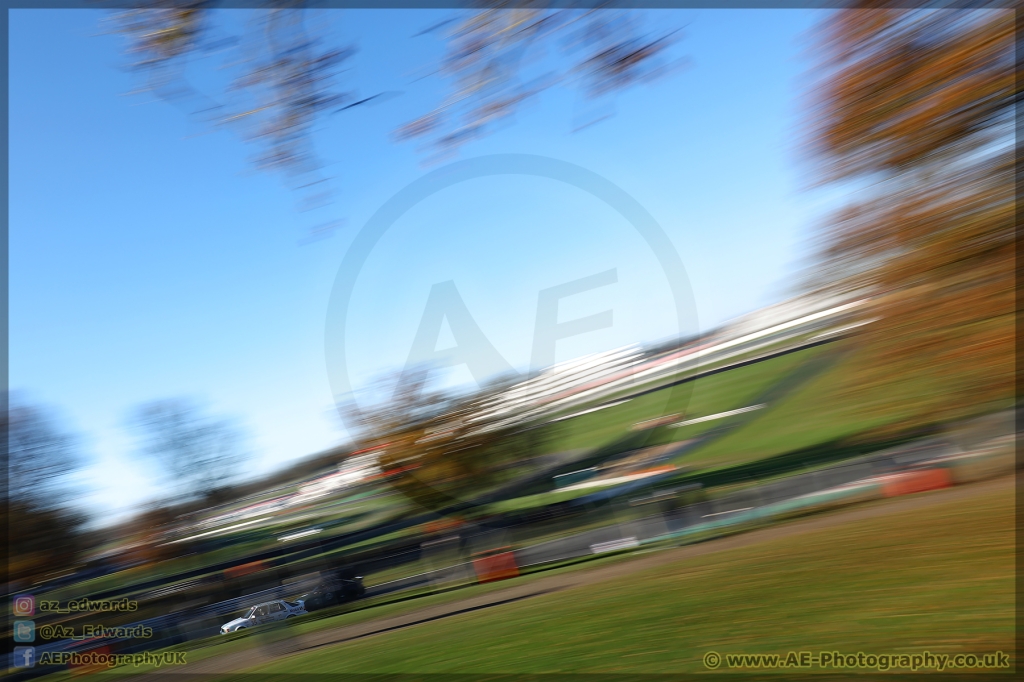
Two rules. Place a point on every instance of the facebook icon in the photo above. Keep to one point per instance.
(24, 656)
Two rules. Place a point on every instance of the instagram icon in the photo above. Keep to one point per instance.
(24, 605)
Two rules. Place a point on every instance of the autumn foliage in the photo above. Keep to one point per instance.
(912, 119)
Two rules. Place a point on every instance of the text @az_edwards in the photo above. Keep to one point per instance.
(94, 631)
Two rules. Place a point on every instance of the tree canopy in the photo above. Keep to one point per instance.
(913, 116)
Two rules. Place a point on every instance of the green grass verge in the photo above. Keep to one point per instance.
(357, 612)
(710, 395)
(812, 415)
(938, 579)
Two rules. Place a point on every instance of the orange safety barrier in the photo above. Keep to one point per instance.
(663, 469)
(244, 569)
(498, 564)
(442, 525)
(917, 482)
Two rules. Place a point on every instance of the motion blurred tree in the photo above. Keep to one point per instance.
(43, 532)
(145, 534)
(396, 423)
(441, 449)
(488, 53)
(201, 453)
(40, 455)
(914, 117)
(285, 71)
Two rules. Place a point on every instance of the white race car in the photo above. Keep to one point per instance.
(265, 613)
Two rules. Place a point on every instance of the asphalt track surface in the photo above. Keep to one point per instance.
(252, 659)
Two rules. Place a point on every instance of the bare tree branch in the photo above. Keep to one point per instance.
(289, 73)
(200, 453)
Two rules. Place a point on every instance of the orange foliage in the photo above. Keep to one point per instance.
(914, 116)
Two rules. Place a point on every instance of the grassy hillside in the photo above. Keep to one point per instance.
(704, 396)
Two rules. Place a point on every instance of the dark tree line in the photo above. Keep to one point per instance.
(199, 454)
(43, 533)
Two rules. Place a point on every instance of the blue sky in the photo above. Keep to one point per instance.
(149, 260)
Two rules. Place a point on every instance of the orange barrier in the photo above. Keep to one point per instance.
(498, 564)
(917, 482)
(663, 469)
(244, 569)
(442, 525)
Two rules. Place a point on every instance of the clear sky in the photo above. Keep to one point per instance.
(149, 260)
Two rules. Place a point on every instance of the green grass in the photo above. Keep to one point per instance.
(707, 395)
(813, 414)
(351, 614)
(536, 501)
(710, 395)
(938, 579)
